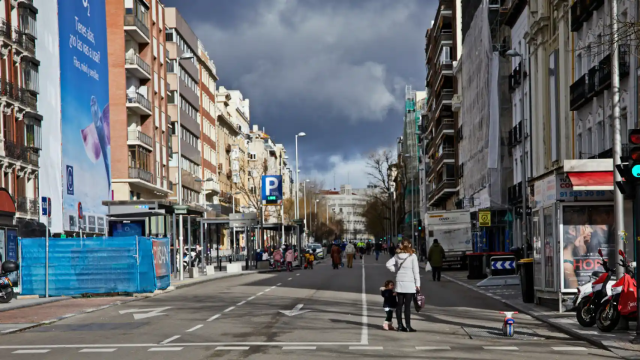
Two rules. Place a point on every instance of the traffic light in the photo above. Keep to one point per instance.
(629, 167)
(419, 224)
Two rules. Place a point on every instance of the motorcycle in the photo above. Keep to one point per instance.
(591, 295)
(6, 287)
(622, 301)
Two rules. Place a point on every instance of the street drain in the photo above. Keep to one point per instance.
(520, 333)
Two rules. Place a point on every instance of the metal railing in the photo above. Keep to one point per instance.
(132, 20)
(24, 42)
(137, 135)
(21, 153)
(9, 90)
(141, 174)
(28, 100)
(5, 29)
(27, 206)
(135, 59)
(140, 100)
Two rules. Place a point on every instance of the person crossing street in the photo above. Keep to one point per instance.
(350, 250)
(378, 250)
(435, 257)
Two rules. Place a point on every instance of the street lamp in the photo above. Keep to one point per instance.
(315, 226)
(233, 211)
(282, 158)
(204, 202)
(185, 56)
(515, 54)
(304, 197)
(301, 134)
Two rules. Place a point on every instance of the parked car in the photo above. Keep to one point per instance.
(319, 250)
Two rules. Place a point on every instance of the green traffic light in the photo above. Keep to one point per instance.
(635, 171)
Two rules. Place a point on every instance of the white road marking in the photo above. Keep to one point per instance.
(569, 348)
(7, 331)
(273, 287)
(365, 347)
(267, 290)
(84, 346)
(31, 351)
(364, 338)
(298, 348)
(500, 348)
(240, 303)
(433, 348)
(260, 293)
(213, 317)
(169, 340)
(165, 348)
(97, 350)
(195, 328)
(279, 284)
(229, 309)
(232, 348)
(296, 310)
(297, 274)
(251, 298)
(290, 278)
(149, 312)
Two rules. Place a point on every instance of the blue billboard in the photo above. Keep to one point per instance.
(271, 189)
(84, 95)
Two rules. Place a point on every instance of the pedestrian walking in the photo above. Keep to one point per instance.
(277, 258)
(350, 250)
(335, 256)
(392, 250)
(435, 257)
(378, 249)
(405, 265)
(389, 304)
(289, 257)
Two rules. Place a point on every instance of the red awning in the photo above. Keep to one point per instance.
(596, 180)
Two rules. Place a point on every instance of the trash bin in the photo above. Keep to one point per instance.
(476, 266)
(526, 280)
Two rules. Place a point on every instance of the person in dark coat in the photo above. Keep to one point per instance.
(336, 259)
(392, 250)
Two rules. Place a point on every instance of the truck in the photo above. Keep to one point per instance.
(453, 230)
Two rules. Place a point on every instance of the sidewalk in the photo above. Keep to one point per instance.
(24, 303)
(616, 341)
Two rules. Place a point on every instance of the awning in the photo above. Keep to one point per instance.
(595, 180)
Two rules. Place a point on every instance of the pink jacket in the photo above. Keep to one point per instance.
(289, 256)
(277, 255)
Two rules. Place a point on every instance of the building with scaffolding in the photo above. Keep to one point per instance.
(409, 156)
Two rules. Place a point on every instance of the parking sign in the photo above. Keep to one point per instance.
(272, 189)
(44, 206)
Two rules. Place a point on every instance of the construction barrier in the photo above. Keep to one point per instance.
(503, 265)
(95, 265)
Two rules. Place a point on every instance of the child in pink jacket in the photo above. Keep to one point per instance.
(289, 257)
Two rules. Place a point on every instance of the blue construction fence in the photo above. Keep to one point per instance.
(95, 265)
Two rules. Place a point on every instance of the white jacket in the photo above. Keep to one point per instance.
(350, 249)
(407, 275)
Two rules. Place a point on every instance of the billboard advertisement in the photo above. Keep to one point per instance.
(84, 94)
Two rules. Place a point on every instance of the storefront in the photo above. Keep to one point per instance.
(572, 217)
(8, 230)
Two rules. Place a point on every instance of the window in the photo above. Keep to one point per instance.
(155, 82)
(153, 10)
(554, 106)
(445, 57)
(578, 73)
(32, 134)
(162, 92)
(160, 11)
(31, 77)
(139, 158)
(588, 57)
(599, 143)
(579, 146)
(588, 149)
(162, 53)
(168, 35)
(155, 47)
(28, 22)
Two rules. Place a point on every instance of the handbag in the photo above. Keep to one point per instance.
(428, 268)
(418, 301)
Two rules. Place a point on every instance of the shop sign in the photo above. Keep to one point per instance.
(564, 190)
(484, 218)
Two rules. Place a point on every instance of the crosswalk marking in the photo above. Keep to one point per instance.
(97, 350)
(34, 351)
(569, 348)
(219, 348)
(500, 348)
(365, 347)
(299, 348)
(213, 317)
(433, 347)
(195, 328)
(165, 348)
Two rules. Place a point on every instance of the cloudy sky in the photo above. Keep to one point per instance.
(334, 69)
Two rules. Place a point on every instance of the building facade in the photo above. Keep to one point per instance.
(209, 149)
(348, 205)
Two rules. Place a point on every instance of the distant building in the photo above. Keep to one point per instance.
(348, 205)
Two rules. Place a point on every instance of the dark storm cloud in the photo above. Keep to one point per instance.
(335, 69)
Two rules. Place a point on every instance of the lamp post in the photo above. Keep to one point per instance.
(184, 56)
(204, 203)
(304, 197)
(233, 211)
(301, 134)
(524, 223)
(315, 226)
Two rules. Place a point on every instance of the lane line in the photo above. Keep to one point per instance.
(6, 331)
(290, 278)
(195, 328)
(97, 350)
(297, 274)
(279, 284)
(165, 348)
(241, 303)
(364, 338)
(500, 348)
(267, 290)
(365, 348)
(213, 317)
(260, 293)
(279, 344)
(433, 347)
(31, 351)
(229, 309)
(569, 348)
(251, 298)
(298, 348)
(169, 340)
(232, 348)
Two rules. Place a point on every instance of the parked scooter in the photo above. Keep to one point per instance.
(6, 287)
(591, 295)
(622, 302)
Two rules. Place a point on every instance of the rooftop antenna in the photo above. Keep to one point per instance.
(334, 180)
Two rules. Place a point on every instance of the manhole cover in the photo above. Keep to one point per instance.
(520, 333)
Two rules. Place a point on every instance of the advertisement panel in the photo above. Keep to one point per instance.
(84, 93)
(161, 257)
(565, 192)
(585, 229)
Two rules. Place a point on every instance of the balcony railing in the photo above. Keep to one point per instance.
(27, 100)
(604, 73)
(27, 206)
(20, 153)
(132, 20)
(444, 125)
(437, 193)
(10, 91)
(5, 30)
(141, 174)
(137, 98)
(445, 96)
(623, 60)
(516, 134)
(137, 135)
(594, 81)
(25, 42)
(580, 13)
(578, 93)
(135, 59)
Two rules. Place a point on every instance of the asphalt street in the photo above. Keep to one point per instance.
(307, 313)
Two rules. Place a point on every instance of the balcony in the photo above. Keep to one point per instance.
(448, 156)
(27, 101)
(10, 92)
(27, 207)
(140, 174)
(444, 99)
(604, 74)
(137, 29)
(578, 93)
(515, 78)
(137, 103)
(593, 85)
(5, 31)
(137, 137)
(445, 127)
(516, 134)
(24, 43)
(595, 4)
(580, 13)
(137, 67)
(212, 186)
(21, 153)
(514, 194)
(442, 191)
(623, 60)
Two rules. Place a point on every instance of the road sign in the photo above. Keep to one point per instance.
(69, 180)
(80, 213)
(271, 189)
(502, 265)
(44, 206)
(484, 218)
(239, 220)
(180, 209)
(49, 207)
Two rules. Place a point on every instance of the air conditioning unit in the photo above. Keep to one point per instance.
(456, 102)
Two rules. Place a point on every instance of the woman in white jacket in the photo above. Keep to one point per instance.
(405, 265)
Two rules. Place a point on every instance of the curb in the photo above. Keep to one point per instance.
(204, 280)
(53, 300)
(565, 330)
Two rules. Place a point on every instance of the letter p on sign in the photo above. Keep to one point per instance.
(271, 189)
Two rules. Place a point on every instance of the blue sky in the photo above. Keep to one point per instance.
(335, 69)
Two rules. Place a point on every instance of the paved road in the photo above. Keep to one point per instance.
(240, 318)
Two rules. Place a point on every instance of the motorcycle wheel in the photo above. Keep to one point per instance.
(584, 313)
(607, 317)
(8, 295)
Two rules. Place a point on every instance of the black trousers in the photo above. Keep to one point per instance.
(436, 272)
(404, 303)
(389, 317)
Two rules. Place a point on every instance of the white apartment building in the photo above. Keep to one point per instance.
(348, 205)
